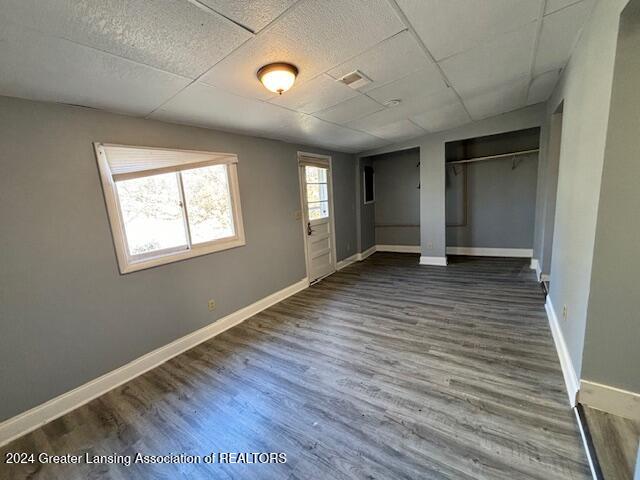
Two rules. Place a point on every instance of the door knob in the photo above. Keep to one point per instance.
(309, 230)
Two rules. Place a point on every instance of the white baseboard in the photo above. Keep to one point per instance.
(25, 422)
(490, 252)
(535, 265)
(398, 248)
(380, 248)
(569, 373)
(347, 261)
(441, 261)
(367, 253)
(610, 399)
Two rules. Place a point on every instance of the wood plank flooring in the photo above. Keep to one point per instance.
(384, 370)
(615, 440)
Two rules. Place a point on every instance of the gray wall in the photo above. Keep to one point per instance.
(397, 209)
(501, 203)
(367, 212)
(344, 177)
(612, 342)
(585, 89)
(66, 315)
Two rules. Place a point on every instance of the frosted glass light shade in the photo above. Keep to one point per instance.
(278, 77)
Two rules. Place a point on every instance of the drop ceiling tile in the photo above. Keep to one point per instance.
(369, 144)
(542, 86)
(448, 27)
(49, 69)
(178, 37)
(312, 35)
(385, 62)
(420, 83)
(253, 14)
(379, 119)
(558, 35)
(351, 109)
(403, 111)
(318, 94)
(210, 107)
(443, 118)
(504, 98)
(555, 5)
(337, 137)
(397, 131)
(484, 68)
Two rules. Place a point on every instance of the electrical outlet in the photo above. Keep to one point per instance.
(564, 313)
(212, 305)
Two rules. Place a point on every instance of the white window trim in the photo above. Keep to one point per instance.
(364, 187)
(132, 263)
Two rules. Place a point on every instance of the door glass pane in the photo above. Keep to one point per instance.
(317, 192)
(152, 214)
(315, 174)
(209, 209)
(318, 210)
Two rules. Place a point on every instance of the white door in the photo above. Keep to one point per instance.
(317, 208)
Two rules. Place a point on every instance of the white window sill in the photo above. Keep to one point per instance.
(195, 251)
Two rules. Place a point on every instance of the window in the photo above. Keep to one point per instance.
(317, 192)
(368, 187)
(168, 205)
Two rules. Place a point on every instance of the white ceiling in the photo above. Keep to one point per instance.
(449, 62)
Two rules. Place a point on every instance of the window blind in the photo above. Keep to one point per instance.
(128, 162)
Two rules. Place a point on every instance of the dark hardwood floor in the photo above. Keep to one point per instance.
(384, 370)
(615, 440)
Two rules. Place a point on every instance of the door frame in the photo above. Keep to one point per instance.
(323, 159)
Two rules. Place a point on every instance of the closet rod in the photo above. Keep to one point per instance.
(491, 157)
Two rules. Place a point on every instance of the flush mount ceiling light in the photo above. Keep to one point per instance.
(278, 77)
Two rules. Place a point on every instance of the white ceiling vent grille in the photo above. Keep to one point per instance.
(355, 79)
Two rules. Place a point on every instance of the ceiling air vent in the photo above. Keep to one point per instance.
(355, 79)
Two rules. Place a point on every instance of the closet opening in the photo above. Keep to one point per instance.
(490, 194)
(397, 206)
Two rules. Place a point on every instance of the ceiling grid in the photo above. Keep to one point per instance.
(434, 64)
